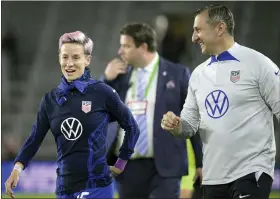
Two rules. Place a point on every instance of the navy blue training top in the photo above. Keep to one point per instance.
(79, 128)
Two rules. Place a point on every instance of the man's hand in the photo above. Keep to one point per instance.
(12, 183)
(115, 171)
(114, 68)
(198, 175)
(170, 122)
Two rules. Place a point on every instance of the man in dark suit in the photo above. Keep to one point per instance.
(150, 86)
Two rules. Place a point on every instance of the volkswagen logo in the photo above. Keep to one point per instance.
(216, 104)
(71, 128)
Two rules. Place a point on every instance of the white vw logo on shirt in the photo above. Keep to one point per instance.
(71, 128)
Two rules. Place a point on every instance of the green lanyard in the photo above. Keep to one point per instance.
(155, 67)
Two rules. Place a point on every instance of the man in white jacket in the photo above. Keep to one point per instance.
(231, 100)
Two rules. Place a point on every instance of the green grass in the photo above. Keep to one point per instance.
(31, 196)
(273, 195)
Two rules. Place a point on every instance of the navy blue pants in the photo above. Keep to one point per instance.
(101, 192)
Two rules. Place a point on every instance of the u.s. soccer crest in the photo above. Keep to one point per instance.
(86, 106)
(235, 76)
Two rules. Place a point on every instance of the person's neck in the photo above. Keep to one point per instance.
(225, 44)
(148, 58)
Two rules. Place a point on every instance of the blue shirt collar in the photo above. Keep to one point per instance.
(224, 56)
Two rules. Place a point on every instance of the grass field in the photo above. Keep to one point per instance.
(42, 196)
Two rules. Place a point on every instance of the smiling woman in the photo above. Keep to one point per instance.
(78, 112)
(74, 54)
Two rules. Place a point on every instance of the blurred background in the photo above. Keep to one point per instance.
(30, 68)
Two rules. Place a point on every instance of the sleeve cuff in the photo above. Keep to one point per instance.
(120, 164)
(199, 166)
(22, 162)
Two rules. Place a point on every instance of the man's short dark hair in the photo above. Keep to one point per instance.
(141, 33)
(219, 13)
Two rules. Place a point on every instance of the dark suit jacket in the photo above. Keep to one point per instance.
(170, 153)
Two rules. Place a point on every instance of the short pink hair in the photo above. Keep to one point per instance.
(77, 37)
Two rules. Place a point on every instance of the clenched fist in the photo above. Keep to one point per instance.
(172, 123)
(114, 68)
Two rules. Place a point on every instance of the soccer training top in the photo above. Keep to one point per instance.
(231, 101)
(78, 118)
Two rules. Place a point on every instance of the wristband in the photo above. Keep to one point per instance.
(18, 168)
(120, 164)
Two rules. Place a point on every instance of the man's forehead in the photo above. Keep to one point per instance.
(201, 19)
(126, 39)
